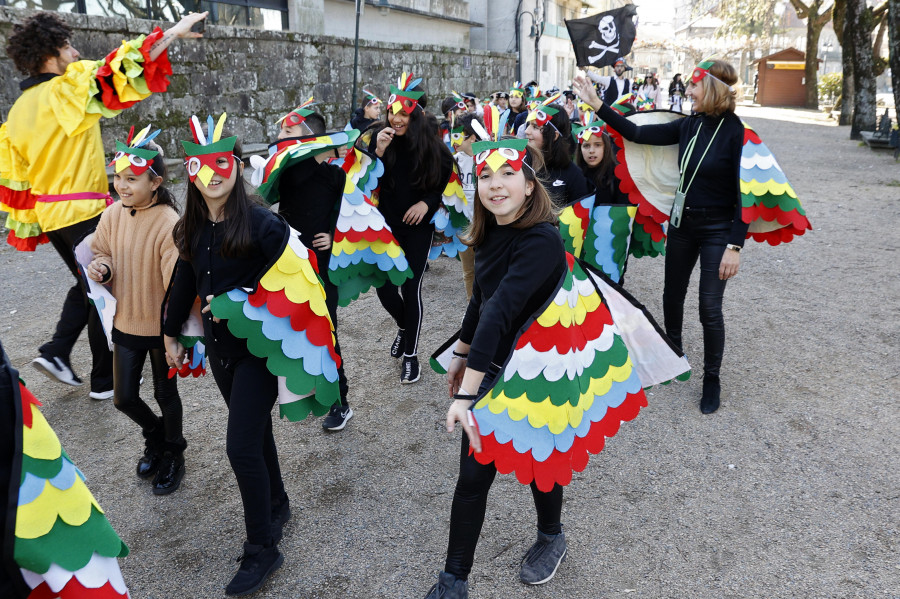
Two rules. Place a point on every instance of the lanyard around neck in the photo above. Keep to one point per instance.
(688, 151)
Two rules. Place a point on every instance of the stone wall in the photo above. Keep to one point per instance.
(257, 76)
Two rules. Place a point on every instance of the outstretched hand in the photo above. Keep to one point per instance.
(585, 90)
(182, 29)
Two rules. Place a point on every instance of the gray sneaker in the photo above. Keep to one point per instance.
(449, 587)
(541, 562)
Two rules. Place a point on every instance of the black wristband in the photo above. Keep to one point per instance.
(465, 397)
(456, 354)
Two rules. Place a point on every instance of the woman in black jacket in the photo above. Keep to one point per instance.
(711, 229)
(549, 132)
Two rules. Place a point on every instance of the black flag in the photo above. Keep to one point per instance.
(602, 38)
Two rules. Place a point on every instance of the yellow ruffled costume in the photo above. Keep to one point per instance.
(52, 165)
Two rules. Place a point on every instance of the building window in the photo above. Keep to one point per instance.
(258, 14)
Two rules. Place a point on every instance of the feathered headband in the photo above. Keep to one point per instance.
(134, 153)
(402, 96)
(203, 154)
(543, 112)
(702, 70)
(371, 98)
(298, 115)
(493, 151)
(460, 101)
(590, 125)
(517, 90)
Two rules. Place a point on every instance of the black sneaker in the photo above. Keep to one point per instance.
(337, 418)
(257, 564)
(409, 373)
(56, 368)
(148, 465)
(540, 563)
(397, 345)
(281, 513)
(449, 586)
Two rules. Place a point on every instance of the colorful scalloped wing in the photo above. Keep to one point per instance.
(285, 321)
(567, 386)
(98, 294)
(603, 235)
(283, 155)
(127, 75)
(769, 202)
(451, 218)
(63, 541)
(364, 252)
(648, 175)
(192, 339)
(16, 200)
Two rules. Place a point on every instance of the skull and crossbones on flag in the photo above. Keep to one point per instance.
(602, 38)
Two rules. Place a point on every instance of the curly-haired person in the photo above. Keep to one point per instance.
(53, 183)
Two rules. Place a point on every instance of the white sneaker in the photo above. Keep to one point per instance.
(56, 368)
(101, 395)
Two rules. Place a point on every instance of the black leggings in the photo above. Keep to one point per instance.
(470, 505)
(127, 366)
(250, 391)
(704, 238)
(77, 311)
(404, 303)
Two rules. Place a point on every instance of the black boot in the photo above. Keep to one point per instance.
(148, 465)
(171, 471)
(257, 563)
(281, 513)
(709, 403)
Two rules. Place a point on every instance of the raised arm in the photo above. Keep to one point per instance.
(182, 29)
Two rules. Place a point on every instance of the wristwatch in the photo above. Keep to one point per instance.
(731, 246)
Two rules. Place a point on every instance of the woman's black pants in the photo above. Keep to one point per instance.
(704, 238)
(404, 303)
(127, 367)
(250, 391)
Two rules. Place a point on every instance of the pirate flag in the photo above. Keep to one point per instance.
(602, 38)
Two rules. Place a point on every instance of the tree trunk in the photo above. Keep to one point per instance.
(812, 60)
(864, 110)
(893, 17)
(847, 87)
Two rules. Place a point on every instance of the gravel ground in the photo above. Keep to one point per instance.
(790, 490)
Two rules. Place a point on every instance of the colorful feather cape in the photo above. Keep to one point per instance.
(451, 218)
(769, 203)
(364, 252)
(285, 321)
(574, 376)
(603, 235)
(64, 545)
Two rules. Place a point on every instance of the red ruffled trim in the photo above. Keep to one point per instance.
(565, 339)
(19, 200)
(318, 329)
(558, 468)
(156, 72)
(108, 94)
(751, 136)
(28, 244)
(75, 590)
(28, 400)
(628, 186)
(794, 224)
(370, 235)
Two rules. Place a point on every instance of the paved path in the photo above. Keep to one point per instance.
(790, 490)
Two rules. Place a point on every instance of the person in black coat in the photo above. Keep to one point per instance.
(368, 112)
(549, 132)
(712, 230)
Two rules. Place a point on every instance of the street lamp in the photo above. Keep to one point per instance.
(826, 48)
(384, 8)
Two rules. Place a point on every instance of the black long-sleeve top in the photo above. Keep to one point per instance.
(310, 197)
(717, 184)
(607, 191)
(565, 185)
(210, 273)
(516, 271)
(396, 192)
